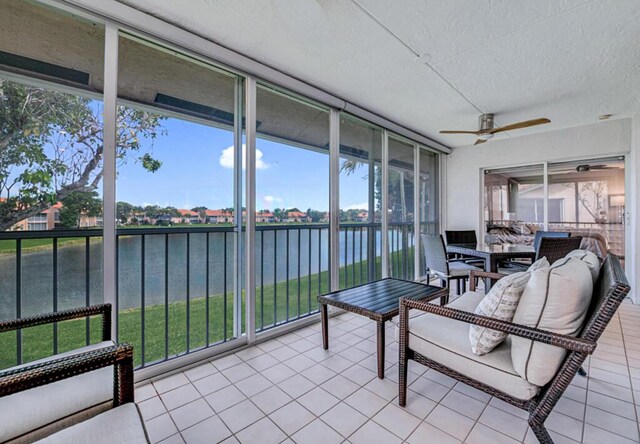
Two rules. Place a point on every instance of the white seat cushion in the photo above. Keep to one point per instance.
(26, 411)
(121, 425)
(461, 269)
(446, 341)
(556, 299)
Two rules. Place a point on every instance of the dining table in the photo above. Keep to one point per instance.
(492, 254)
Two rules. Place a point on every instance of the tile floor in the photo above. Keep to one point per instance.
(290, 390)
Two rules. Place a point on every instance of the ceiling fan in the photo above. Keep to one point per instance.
(486, 131)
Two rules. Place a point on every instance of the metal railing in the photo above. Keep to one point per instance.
(176, 291)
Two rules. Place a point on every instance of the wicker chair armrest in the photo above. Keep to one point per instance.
(535, 334)
(483, 274)
(64, 315)
(36, 375)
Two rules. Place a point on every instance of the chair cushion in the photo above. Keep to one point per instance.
(500, 303)
(556, 299)
(26, 411)
(121, 425)
(459, 268)
(588, 258)
(446, 341)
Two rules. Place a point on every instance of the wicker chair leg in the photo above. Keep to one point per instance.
(541, 433)
(582, 371)
(403, 359)
(123, 381)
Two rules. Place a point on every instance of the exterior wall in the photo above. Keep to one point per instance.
(463, 175)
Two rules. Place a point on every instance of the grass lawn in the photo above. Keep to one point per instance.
(271, 304)
(9, 246)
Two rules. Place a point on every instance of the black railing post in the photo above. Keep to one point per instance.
(55, 293)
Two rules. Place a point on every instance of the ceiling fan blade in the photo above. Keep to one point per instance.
(479, 141)
(460, 132)
(515, 126)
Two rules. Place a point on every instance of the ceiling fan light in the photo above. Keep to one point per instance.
(487, 136)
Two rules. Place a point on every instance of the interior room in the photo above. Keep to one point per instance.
(319, 221)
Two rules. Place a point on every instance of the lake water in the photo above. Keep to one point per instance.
(38, 278)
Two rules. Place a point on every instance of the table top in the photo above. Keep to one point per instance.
(492, 249)
(380, 300)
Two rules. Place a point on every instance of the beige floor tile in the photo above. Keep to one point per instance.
(340, 387)
(398, 420)
(180, 396)
(595, 435)
(151, 408)
(173, 439)
(481, 434)
(565, 425)
(453, 423)
(426, 433)
(226, 362)
(464, 404)
(160, 427)
(209, 430)
(283, 353)
(299, 362)
(238, 372)
(262, 362)
(296, 385)
(344, 418)
(263, 432)
(225, 398)
(383, 387)
(212, 383)
(611, 405)
(278, 373)
(317, 432)
(318, 401)
(359, 374)
(292, 417)
(318, 374)
(271, 399)
(200, 371)
(504, 422)
(366, 402)
(418, 405)
(372, 433)
(253, 385)
(612, 423)
(144, 392)
(191, 414)
(241, 415)
(430, 389)
(170, 382)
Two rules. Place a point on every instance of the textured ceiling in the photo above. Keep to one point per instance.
(433, 65)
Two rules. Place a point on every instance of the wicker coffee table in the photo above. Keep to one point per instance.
(379, 301)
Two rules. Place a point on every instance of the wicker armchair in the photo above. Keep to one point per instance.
(85, 395)
(608, 292)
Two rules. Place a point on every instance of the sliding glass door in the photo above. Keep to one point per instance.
(585, 198)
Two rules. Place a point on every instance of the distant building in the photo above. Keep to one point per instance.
(296, 216)
(187, 217)
(362, 216)
(218, 216)
(265, 216)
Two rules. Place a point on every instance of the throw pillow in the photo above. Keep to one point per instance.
(500, 303)
(588, 258)
(556, 299)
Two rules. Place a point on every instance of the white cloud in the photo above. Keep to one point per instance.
(271, 199)
(227, 158)
(360, 206)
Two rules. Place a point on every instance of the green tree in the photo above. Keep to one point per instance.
(76, 204)
(51, 145)
(124, 211)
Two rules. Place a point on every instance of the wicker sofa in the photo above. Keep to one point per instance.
(80, 396)
(439, 339)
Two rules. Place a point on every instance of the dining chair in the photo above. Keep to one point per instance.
(437, 264)
(462, 237)
(541, 234)
(553, 248)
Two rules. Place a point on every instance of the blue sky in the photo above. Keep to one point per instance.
(196, 173)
